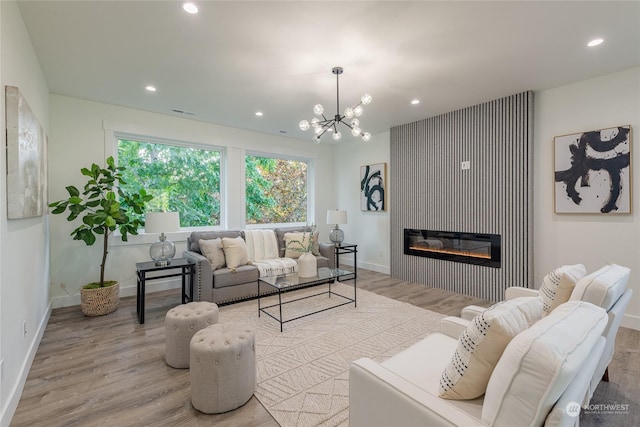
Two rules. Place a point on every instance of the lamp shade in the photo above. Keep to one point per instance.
(161, 222)
(336, 217)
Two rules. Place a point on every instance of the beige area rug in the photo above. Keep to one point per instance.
(303, 372)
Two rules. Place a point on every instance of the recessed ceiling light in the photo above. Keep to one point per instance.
(150, 88)
(190, 7)
(595, 42)
(259, 113)
(415, 102)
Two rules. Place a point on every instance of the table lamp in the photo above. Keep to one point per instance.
(163, 250)
(336, 217)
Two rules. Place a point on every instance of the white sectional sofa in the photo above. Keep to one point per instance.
(541, 378)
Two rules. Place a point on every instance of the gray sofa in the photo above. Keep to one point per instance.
(224, 285)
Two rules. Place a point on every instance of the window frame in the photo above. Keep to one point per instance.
(184, 231)
(310, 162)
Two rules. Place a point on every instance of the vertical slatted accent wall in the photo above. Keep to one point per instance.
(430, 191)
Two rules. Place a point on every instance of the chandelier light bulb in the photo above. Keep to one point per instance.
(315, 122)
(348, 113)
(356, 131)
(316, 139)
(318, 130)
(358, 111)
(366, 99)
(304, 125)
(318, 109)
(355, 123)
(337, 136)
(366, 137)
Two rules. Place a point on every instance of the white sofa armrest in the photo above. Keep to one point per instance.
(453, 326)
(471, 311)
(379, 397)
(518, 291)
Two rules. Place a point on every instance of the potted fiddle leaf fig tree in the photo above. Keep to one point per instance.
(104, 207)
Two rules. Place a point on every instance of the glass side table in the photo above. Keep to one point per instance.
(187, 271)
(347, 248)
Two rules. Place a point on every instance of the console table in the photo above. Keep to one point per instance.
(187, 270)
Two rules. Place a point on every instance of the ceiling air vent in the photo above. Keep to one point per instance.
(186, 113)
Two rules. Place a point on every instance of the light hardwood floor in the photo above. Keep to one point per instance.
(110, 370)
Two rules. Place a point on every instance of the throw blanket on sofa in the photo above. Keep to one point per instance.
(273, 267)
(261, 245)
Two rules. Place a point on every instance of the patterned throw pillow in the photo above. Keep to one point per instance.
(482, 343)
(235, 251)
(557, 286)
(295, 244)
(212, 249)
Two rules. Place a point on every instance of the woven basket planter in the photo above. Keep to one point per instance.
(99, 301)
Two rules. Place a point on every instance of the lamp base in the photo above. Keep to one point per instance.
(336, 235)
(162, 251)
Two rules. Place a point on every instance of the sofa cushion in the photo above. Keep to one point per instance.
(212, 249)
(603, 287)
(539, 364)
(296, 244)
(235, 251)
(230, 277)
(196, 236)
(280, 233)
(558, 284)
(481, 344)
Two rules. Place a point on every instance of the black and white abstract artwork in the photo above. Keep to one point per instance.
(592, 171)
(26, 158)
(372, 187)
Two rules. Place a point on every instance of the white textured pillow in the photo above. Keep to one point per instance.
(603, 287)
(481, 344)
(295, 244)
(212, 249)
(235, 251)
(539, 363)
(558, 285)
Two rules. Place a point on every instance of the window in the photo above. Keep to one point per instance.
(180, 178)
(276, 190)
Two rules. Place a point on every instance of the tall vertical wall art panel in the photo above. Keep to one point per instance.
(430, 190)
(26, 158)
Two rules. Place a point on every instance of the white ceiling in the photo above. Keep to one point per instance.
(235, 58)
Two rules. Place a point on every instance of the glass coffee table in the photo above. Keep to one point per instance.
(288, 282)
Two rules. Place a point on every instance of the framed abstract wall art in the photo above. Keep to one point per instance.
(592, 171)
(373, 187)
(26, 158)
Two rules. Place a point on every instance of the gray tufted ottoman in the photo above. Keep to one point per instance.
(223, 367)
(180, 324)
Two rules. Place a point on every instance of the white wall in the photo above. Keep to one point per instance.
(24, 247)
(369, 230)
(78, 138)
(592, 240)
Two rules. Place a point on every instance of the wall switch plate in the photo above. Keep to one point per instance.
(466, 165)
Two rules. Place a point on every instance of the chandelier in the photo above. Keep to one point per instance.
(349, 118)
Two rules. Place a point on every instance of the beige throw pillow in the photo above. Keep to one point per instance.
(235, 251)
(558, 285)
(212, 249)
(295, 244)
(482, 343)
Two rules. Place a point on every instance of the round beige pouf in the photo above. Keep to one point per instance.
(223, 367)
(180, 324)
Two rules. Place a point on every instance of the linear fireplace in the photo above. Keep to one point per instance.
(470, 248)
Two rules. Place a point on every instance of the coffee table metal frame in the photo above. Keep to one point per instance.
(288, 282)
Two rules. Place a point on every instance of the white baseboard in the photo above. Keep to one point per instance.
(630, 321)
(384, 269)
(125, 291)
(9, 409)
